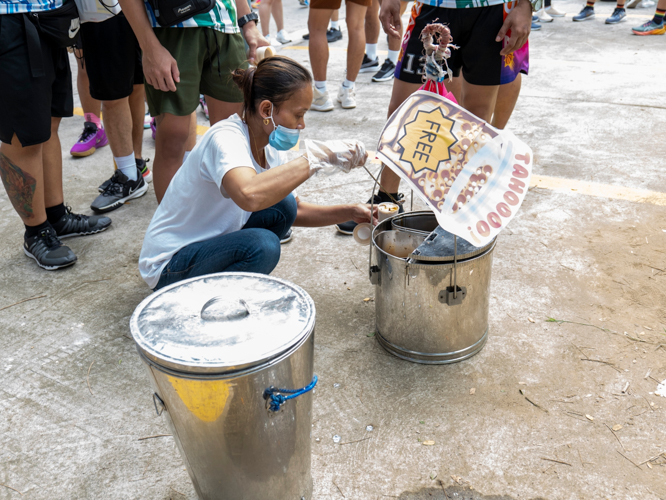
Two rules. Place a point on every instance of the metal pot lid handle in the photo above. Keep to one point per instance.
(223, 309)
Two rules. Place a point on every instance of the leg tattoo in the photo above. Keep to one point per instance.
(20, 186)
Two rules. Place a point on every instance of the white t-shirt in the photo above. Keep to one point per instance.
(196, 207)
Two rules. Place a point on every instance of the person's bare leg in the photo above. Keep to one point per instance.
(278, 14)
(22, 174)
(118, 126)
(479, 99)
(507, 96)
(372, 24)
(171, 142)
(265, 16)
(88, 103)
(221, 110)
(52, 161)
(318, 46)
(355, 19)
(390, 182)
(138, 112)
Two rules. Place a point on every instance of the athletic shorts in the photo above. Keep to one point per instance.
(27, 103)
(205, 60)
(336, 4)
(474, 31)
(113, 58)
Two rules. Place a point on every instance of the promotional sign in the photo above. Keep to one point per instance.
(472, 175)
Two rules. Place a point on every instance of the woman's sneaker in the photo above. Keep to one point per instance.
(90, 139)
(649, 28)
(584, 15)
(47, 250)
(119, 191)
(617, 16)
(368, 65)
(283, 36)
(321, 101)
(72, 224)
(141, 164)
(347, 97)
(153, 127)
(385, 73)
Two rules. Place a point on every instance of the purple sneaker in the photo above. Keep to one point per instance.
(204, 105)
(91, 139)
(153, 127)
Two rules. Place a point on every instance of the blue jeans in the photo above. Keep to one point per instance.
(255, 248)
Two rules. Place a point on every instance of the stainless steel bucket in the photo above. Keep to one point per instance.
(230, 357)
(429, 309)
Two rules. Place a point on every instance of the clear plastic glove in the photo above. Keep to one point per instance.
(334, 156)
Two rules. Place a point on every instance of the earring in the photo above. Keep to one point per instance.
(266, 121)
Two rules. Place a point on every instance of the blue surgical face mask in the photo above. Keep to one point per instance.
(283, 138)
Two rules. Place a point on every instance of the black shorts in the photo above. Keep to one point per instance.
(474, 30)
(113, 58)
(27, 103)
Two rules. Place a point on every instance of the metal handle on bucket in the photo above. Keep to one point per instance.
(274, 397)
(158, 400)
(453, 295)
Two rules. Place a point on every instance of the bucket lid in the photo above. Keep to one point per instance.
(439, 246)
(222, 322)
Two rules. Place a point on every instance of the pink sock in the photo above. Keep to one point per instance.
(92, 117)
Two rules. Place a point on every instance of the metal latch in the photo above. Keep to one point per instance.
(453, 295)
(374, 275)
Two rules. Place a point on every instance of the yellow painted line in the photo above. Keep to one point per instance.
(562, 185)
(557, 184)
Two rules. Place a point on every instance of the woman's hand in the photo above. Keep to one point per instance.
(361, 213)
(333, 156)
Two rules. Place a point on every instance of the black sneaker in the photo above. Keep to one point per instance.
(381, 197)
(332, 35)
(385, 73)
(142, 165)
(72, 224)
(368, 64)
(119, 191)
(287, 237)
(47, 250)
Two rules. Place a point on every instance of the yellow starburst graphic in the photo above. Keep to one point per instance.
(427, 140)
(509, 60)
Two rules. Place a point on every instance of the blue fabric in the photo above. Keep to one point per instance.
(26, 6)
(253, 249)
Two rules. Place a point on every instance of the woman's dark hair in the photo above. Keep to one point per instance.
(274, 79)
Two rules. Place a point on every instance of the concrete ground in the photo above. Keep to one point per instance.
(588, 249)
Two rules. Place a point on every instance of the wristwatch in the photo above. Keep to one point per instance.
(252, 16)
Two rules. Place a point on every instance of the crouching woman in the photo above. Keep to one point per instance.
(231, 202)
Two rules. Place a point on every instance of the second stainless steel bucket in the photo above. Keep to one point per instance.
(417, 316)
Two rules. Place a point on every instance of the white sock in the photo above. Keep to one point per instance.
(127, 165)
(393, 56)
(335, 25)
(348, 84)
(187, 153)
(321, 86)
(371, 51)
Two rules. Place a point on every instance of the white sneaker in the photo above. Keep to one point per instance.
(272, 41)
(553, 12)
(347, 97)
(322, 101)
(283, 37)
(544, 17)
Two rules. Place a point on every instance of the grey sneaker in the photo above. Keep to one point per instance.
(119, 191)
(368, 65)
(585, 15)
(617, 16)
(385, 73)
(47, 250)
(72, 224)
